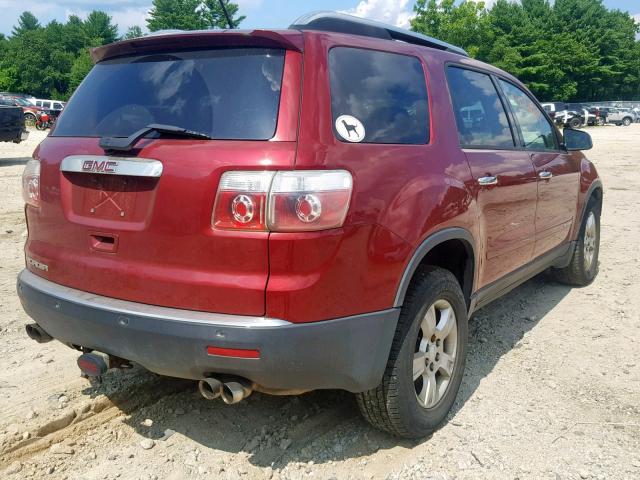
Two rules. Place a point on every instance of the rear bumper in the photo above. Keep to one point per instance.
(348, 353)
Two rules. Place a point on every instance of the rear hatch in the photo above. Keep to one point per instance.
(137, 224)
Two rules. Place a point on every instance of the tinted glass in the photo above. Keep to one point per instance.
(385, 91)
(57, 106)
(227, 94)
(537, 132)
(480, 115)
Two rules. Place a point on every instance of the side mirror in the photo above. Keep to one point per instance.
(577, 140)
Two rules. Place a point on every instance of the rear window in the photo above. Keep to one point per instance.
(228, 94)
(385, 93)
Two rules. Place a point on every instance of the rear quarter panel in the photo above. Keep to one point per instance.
(401, 195)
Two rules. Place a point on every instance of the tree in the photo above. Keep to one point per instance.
(175, 14)
(26, 22)
(572, 50)
(80, 68)
(463, 24)
(99, 29)
(191, 15)
(214, 15)
(133, 32)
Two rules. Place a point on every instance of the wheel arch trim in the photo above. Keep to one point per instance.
(432, 241)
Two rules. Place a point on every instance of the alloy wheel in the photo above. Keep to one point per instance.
(435, 353)
(590, 241)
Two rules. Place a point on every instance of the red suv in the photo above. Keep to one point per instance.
(321, 207)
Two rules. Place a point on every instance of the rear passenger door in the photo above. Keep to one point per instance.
(505, 178)
(557, 170)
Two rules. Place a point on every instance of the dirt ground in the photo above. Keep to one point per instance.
(551, 391)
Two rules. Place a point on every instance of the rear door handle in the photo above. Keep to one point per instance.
(545, 175)
(487, 181)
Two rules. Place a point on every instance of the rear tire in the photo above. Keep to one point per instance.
(423, 373)
(626, 121)
(583, 268)
(29, 119)
(575, 123)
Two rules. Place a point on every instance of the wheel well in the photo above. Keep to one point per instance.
(596, 197)
(455, 256)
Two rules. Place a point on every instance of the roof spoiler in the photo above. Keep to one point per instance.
(200, 39)
(343, 23)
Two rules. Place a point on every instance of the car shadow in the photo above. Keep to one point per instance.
(10, 162)
(321, 426)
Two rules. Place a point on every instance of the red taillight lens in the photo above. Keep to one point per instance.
(31, 183)
(311, 200)
(283, 201)
(242, 201)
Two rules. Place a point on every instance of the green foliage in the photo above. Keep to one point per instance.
(51, 61)
(99, 30)
(573, 50)
(26, 22)
(214, 15)
(133, 32)
(190, 15)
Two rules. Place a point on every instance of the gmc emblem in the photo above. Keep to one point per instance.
(95, 166)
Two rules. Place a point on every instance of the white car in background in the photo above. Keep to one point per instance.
(53, 107)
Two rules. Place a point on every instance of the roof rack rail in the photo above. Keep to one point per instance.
(343, 23)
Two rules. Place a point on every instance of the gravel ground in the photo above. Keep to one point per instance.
(552, 388)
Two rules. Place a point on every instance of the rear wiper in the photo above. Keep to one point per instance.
(127, 143)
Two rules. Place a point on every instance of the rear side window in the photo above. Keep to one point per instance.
(537, 132)
(385, 92)
(228, 94)
(480, 116)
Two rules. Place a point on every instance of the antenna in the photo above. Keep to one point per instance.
(226, 14)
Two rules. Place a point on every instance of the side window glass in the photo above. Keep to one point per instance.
(480, 116)
(378, 97)
(537, 132)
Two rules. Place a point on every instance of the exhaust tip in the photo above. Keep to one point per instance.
(36, 333)
(210, 388)
(234, 392)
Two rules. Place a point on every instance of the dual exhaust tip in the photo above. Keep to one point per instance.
(231, 392)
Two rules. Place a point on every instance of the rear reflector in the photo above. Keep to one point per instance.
(92, 365)
(233, 352)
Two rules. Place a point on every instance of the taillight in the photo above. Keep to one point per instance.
(309, 200)
(31, 183)
(242, 201)
(283, 201)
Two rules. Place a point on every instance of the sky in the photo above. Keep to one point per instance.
(260, 13)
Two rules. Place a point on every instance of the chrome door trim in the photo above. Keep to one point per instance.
(107, 165)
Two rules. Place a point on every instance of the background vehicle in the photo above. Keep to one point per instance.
(29, 98)
(44, 121)
(619, 117)
(282, 220)
(52, 107)
(29, 110)
(12, 124)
